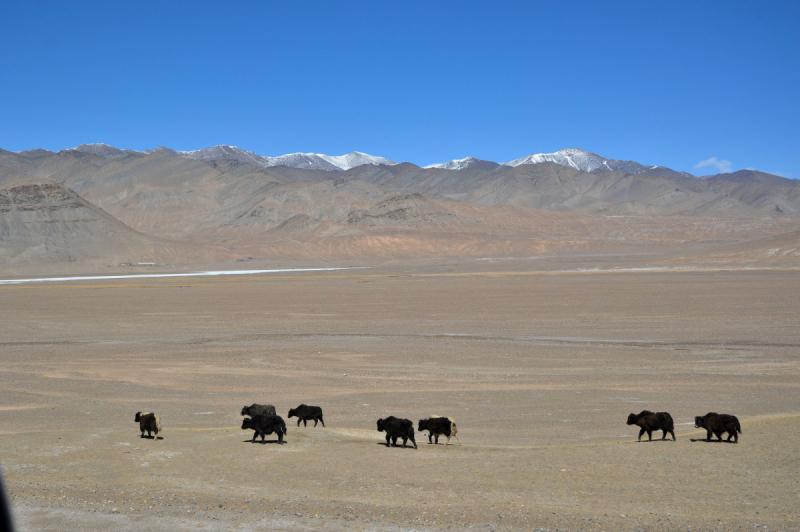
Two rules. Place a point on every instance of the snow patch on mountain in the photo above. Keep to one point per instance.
(574, 158)
(356, 158)
(312, 161)
(467, 162)
(586, 161)
(582, 160)
(578, 159)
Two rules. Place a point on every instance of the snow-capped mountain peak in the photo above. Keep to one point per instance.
(312, 161)
(215, 153)
(353, 159)
(582, 160)
(579, 159)
(467, 162)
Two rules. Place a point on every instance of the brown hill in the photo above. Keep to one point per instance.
(44, 222)
(159, 194)
(36, 153)
(132, 188)
(554, 187)
(226, 209)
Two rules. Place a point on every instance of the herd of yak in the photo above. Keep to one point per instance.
(716, 424)
(264, 421)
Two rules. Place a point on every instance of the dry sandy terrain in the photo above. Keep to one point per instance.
(539, 368)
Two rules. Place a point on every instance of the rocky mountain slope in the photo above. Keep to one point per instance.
(556, 187)
(308, 161)
(163, 202)
(44, 222)
(582, 160)
(465, 164)
(571, 157)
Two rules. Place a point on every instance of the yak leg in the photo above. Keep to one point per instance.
(305, 422)
(649, 435)
(155, 435)
(298, 421)
(436, 438)
(430, 437)
(322, 421)
(387, 440)
(673, 435)
(708, 435)
(315, 422)
(448, 441)
(640, 434)
(719, 435)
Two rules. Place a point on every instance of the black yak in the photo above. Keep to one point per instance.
(306, 413)
(719, 423)
(258, 410)
(263, 425)
(149, 422)
(436, 426)
(397, 428)
(453, 428)
(648, 422)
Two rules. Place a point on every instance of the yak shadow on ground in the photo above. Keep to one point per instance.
(264, 442)
(151, 437)
(703, 440)
(383, 444)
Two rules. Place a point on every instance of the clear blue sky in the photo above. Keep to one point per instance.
(666, 83)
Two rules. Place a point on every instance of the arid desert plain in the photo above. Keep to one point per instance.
(539, 365)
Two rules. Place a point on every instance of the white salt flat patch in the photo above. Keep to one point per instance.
(162, 455)
(155, 275)
(21, 407)
(58, 451)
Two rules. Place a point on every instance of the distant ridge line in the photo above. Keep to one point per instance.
(575, 158)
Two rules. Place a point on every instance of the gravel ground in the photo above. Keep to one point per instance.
(539, 369)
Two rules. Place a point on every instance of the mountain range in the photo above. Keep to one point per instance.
(574, 158)
(311, 161)
(100, 203)
(582, 160)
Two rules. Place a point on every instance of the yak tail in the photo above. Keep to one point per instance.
(739, 427)
(158, 422)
